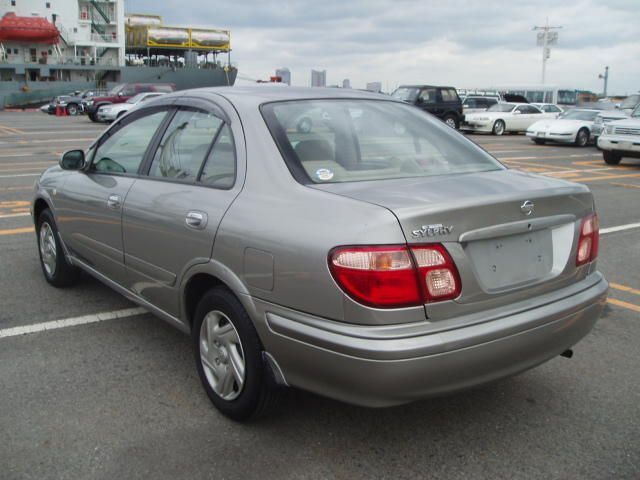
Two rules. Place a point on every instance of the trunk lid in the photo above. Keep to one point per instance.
(502, 253)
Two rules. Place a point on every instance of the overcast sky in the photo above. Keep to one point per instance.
(462, 43)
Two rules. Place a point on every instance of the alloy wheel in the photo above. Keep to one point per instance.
(222, 356)
(48, 251)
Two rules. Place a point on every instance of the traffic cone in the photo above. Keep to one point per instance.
(58, 111)
(65, 112)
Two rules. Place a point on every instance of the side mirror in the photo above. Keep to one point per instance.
(120, 94)
(72, 160)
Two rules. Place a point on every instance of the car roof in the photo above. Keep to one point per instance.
(257, 95)
(425, 86)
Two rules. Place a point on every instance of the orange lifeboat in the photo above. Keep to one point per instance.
(27, 29)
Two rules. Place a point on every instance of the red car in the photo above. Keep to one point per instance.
(121, 93)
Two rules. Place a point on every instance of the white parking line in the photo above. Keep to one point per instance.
(21, 175)
(619, 228)
(12, 215)
(71, 322)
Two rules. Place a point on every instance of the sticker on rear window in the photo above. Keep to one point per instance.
(324, 174)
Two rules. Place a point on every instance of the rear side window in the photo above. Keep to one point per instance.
(185, 145)
(428, 95)
(219, 170)
(329, 141)
(449, 95)
(123, 151)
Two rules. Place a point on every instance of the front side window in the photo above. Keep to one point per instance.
(501, 107)
(184, 145)
(359, 140)
(123, 150)
(406, 94)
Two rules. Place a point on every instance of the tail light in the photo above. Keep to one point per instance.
(589, 240)
(395, 276)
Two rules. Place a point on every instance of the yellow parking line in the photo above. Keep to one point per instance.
(12, 130)
(605, 177)
(624, 288)
(626, 185)
(16, 231)
(620, 303)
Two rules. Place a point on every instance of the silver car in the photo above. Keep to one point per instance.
(377, 257)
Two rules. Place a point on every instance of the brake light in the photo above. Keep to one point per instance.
(395, 276)
(589, 240)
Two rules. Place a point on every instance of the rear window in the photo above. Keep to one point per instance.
(332, 141)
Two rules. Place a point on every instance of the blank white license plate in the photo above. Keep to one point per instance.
(509, 261)
(625, 145)
(541, 134)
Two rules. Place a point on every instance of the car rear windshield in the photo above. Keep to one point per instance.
(331, 141)
(588, 115)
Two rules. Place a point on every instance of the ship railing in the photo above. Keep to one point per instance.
(103, 38)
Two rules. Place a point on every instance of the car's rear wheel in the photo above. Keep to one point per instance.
(229, 357)
(72, 109)
(498, 127)
(538, 141)
(582, 137)
(451, 121)
(56, 268)
(611, 158)
(92, 117)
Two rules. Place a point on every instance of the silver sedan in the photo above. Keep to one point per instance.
(375, 256)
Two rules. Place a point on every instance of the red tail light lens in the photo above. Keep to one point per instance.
(589, 240)
(395, 276)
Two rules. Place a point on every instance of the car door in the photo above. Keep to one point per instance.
(533, 114)
(519, 121)
(171, 215)
(428, 100)
(90, 203)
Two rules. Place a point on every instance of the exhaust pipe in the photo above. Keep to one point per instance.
(567, 353)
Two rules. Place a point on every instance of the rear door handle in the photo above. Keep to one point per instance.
(197, 220)
(114, 201)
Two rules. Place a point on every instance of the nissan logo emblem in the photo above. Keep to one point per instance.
(527, 207)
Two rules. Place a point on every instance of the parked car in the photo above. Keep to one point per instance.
(573, 126)
(373, 269)
(443, 102)
(110, 112)
(603, 118)
(549, 108)
(621, 138)
(121, 93)
(72, 104)
(474, 103)
(630, 103)
(504, 117)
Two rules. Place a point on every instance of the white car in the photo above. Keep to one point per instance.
(504, 117)
(573, 126)
(549, 108)
(603, 119)
(621, 138)
(108, 113)
(477, 103)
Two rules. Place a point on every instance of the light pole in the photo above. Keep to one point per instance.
(547, 37)
(606, 80)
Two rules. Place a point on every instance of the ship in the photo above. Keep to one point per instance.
(93, 45)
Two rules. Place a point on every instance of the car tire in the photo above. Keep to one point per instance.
(498, 128)
(451, 121)
(92, 117)
(55, 266)
(230, 363)
(72, 109)
(611, 158)
(539, 141)
(582, 137)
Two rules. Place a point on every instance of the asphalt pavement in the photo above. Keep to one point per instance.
(120, 398)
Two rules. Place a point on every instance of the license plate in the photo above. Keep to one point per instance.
(625, 145)
(516, 259)
(541, 134)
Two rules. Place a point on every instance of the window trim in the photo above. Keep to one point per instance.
(119, 126)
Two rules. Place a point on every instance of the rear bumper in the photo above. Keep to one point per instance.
(389, 365)
(477, 127)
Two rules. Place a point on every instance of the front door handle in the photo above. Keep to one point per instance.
(197, 220)
(114, 201)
